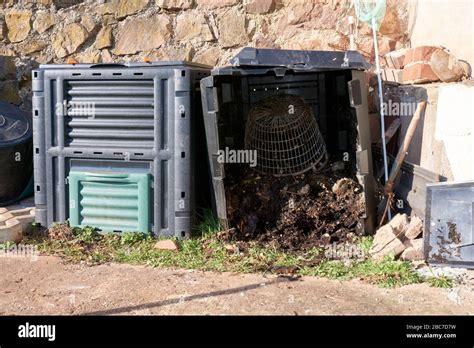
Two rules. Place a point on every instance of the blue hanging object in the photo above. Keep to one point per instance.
(367, 10)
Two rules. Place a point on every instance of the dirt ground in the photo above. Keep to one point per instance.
(48, 286)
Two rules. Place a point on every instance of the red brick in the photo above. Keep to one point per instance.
(392, 75)
(418, 73)
(419, 54)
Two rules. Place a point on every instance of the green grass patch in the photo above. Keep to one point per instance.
(440, 282)
(209, 224)
(386, 273)
(6, 245)
(206, 252)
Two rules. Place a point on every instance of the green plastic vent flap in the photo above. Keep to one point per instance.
(110, 202)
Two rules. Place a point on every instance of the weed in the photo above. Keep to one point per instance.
(6, 245)
(387, 273)
(129, 238)
(440, 281)
(365, 243)
(87, 234)
(209, 224)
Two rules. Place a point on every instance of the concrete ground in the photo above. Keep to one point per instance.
(49, 286)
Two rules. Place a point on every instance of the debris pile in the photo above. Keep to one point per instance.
(294, 213)
(399, 238)
(424, 64)
(61, 232)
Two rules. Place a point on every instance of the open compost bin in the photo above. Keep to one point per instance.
(329, 192)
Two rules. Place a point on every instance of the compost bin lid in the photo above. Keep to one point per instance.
(173, 64)
(14, 124)
(299, 59)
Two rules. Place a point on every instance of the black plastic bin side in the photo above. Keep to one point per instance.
(281, 74)
(449, 224)
(162, 95)
(16, 144)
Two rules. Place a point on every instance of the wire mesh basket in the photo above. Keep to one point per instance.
(283, 131)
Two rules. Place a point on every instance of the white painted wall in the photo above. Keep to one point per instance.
(455, 128)
(449, 23)
(443, 141)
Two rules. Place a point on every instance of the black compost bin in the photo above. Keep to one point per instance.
(109, 124)
(16, 158)
(332, 83)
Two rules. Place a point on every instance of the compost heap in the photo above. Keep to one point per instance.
(293, 213)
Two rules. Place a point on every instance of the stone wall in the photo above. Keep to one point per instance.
(206, 31)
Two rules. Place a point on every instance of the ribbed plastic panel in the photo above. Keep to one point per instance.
(123, 113)
(112, 203)
(118, 119)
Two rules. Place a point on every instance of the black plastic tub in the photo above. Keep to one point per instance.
(16, 157)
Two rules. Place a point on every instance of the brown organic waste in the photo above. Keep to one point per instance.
(60, 232)
(293, 213)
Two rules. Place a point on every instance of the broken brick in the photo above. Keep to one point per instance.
(418, 73)
(446, 66)
(419, 54)
(399, 224)
(413, 251)
(391, 75)
(414, 229)
(386, 242)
